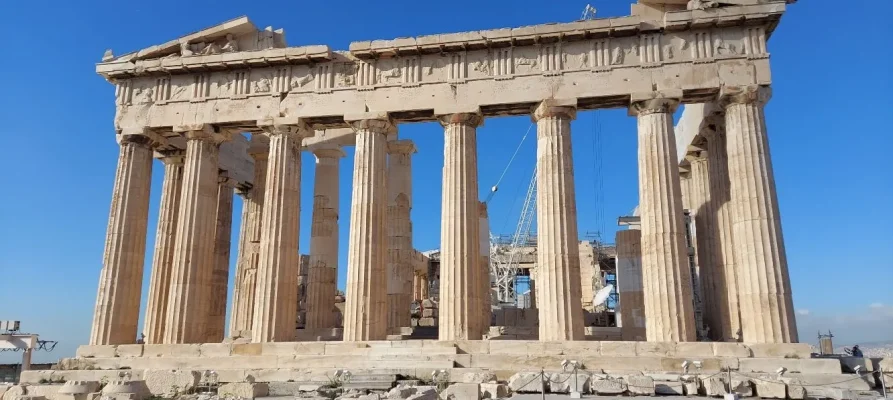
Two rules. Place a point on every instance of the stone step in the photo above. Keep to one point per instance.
(382, 360)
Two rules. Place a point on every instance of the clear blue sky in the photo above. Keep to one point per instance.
(829, 129)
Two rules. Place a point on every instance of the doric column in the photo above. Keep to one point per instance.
(710, 277)
(193, 264)
(162, 260)
(276, 290)
(767, 314)
(322, 278)
(558, 248)
(365, 309)
(629, 284)
(399, 230)
(242, 314)
(721, 226)
(120, 281)
(425, 285)
(666, 276)
(460, 248)
(484, 268)
(219, 283)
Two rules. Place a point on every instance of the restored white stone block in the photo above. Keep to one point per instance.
(607, 386)
(566, 382)
(527, 382)
(462, 391)
(770, 389)
(639, 385)
(169, 383)
(243, 390)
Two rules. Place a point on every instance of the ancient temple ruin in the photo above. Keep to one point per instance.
(229, 109)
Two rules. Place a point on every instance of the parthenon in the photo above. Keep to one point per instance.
(229, 110)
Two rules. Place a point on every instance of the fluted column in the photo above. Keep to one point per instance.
(322, 278)
(365, 309)
(399, 229)
(484, 269)
(460, 225)
(187, 318)
(666, 276)
(120, 281)
(220, 275)
(721, 226)
(767, 314)
(276, 290)
(162, 260)
(242, 313)
(712, 282)
(629, 284)
(558, 248)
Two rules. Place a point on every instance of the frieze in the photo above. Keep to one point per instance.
(289, 89)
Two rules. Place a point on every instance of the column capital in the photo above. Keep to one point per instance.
(653, 106)
(223, 179)
(378, 122)
(293, 128)
(563, 108)
(711, 126)
(696, 156)
(327, 151)
(171, 157)
(259, 146)
(473, 119)
(402, 147)
(141, 136)
(751, 94)
(206, 132)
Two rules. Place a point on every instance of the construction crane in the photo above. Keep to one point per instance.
(504, 259)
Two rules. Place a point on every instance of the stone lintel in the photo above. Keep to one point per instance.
(554, 108)
(744, 95)
(402, 147)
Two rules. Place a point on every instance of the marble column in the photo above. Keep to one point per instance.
(416, 286)
(399, 231)
(425, 286)
(193, 264)
(365, 309)
(276, 289)
(669, 314)
(558, 248)
(219, 282)
(162, 260)
(460, 247)
(242, 313)
(322, 277)
(117, 309)
(484, 270)
(710, 276)
(720, 208)
(767, 314)
(629, 284)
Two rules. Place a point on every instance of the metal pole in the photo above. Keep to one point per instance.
(883, 383)
(543, 382)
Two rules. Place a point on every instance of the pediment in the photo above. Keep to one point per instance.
(235, 35)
